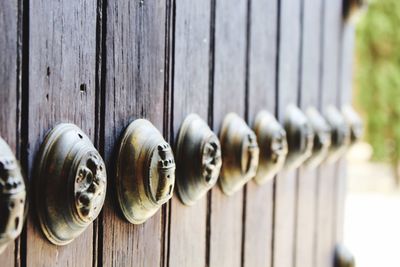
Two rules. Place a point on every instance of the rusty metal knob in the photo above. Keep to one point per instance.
(70, 183)
(12, 196)
(198, 155)
(271, 138)
(240, 154)
(145, 173)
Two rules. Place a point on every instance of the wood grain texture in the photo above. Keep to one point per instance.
(9, 81)
(325, 242)
(229, 96)
(310, 91)
(62, 46)
(187, 242)
(288, 85)
(134, 88)
(261, 96)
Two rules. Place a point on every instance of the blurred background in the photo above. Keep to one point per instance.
(372, 226)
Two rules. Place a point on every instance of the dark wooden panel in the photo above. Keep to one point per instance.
(288, 85)
(190, 95)
(62, 63)
(134, 88)
(229, 96)
(329, 96)
(261, 95)
(310, 89)
(347, 49)
(9, 82)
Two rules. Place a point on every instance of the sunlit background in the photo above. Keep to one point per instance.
(372, 227)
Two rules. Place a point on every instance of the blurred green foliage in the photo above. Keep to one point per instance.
(378, 77)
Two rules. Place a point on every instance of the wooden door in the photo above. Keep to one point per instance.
(102, 64)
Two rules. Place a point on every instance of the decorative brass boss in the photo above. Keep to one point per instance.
(271, 137)
(322, 138)
(300, 137)
(12, 196)
(240, 154)
(198, 154)
(355, 123)
(145, 173)
(340, 133)
(71, 184)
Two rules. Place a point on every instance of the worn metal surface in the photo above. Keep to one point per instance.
(198, 155)
(70, 184)
(340, 133)
(271, 138)
(300, 136)
(145, 171)
(240, 154)
(12, 196)
(322, 138)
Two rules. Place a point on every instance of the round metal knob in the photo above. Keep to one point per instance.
(70, 184)
(271, 137)
(343, 257)
(198, 155)
(340, 133)
(300, 136)
(12, 196)
(352, 8)
(240, 154)
(322, 138)
(145, 173)
(355, 123)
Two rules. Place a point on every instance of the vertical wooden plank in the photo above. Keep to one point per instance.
(346, 75)
(134, 88)
(288, 85)
(190, 95)
(310, 89)
(261, 95)
(9, 81)
(229, 96)
(332, 13)
(62, 63)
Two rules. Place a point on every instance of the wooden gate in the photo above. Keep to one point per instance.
(103, 63)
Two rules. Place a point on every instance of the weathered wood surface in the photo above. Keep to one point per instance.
(62, 64)
(262, 58)
(309, 97)
(287, 93)
(229, 96)
(101, 64)
(325, 242)
(10, 74)
(134, 88)
(188, 224)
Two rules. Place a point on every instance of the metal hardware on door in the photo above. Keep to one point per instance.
(12, 196)
(322, 138)
(355, 123)
(271, 138)
(351, 8)
(198, 156)
(300, 137)
(343, 257)
(340, 133)
(145, 173)
(71, 182)
(240, 154)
